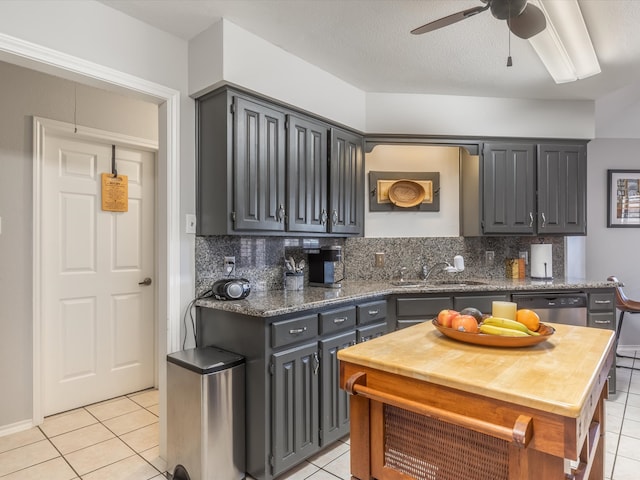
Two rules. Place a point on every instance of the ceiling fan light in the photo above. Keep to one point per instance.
(567, 40)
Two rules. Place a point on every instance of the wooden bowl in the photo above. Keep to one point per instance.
(545, 332)
(406, 193)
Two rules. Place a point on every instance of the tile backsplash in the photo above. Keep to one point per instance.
(261, 259)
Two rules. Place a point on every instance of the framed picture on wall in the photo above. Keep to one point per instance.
(623, 194)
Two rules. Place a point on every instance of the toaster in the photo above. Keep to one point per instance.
(231, 288)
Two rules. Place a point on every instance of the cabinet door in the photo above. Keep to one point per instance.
(259, 167)
(294, 406)
(334, 407)
(508, 179)
(307, 175)
(562, 189)
(346, 190)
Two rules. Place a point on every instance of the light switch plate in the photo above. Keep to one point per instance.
(190, 223)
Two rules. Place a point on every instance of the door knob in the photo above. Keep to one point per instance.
(146, 282)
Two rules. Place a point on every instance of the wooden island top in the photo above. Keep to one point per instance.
(540, 408)
(556, 376)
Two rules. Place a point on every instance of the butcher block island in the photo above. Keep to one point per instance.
(428, 407)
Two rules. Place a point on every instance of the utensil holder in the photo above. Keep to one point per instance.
(293, 281)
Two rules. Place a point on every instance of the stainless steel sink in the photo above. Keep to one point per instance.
(459, 283)
(408, 283)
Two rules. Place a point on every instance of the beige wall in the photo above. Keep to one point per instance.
(416, 158)
(24, 94)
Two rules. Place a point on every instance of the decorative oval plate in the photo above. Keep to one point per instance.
(545, 332)
(406, 193)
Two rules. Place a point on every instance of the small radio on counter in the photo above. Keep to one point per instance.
(231, 288)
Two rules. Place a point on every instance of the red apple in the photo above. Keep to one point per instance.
(445, 317)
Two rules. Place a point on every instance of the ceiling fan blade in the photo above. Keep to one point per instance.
(448, 20)
(529, 23)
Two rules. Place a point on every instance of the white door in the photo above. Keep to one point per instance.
(98, 328)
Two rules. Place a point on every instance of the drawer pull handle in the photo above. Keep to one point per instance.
(607, 322)
(602, 302)
(296, 331)
(339, 320)
(374, 312)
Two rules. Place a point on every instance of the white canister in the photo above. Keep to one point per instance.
(542, 261)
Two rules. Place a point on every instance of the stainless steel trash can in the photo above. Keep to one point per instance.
(206, 413)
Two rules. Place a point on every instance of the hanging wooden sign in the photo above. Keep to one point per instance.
(115, 193)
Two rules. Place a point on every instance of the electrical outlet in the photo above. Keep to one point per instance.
(379, 259)
(229, 266)
(489, 257)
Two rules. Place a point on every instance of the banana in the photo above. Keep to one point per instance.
(505, 332)
(507, 323)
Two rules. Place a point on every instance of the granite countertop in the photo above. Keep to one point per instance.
(554, 376)
(280, 302)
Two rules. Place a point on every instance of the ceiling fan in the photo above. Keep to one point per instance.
(524, 19)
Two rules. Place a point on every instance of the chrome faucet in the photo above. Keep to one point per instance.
(426, 271)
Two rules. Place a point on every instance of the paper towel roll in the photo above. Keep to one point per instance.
(541, 261)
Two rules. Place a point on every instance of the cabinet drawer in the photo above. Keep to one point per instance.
(294, 330)
(601, 320)
(422, 307)
(484, 303)
(601, 301)
(372, 311)
(408, 323)
(369, 332)
(336, 320)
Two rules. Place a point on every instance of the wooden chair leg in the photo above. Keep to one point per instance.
(618, 330)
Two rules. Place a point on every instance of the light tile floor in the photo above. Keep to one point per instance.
(118, 440)
(115, 440)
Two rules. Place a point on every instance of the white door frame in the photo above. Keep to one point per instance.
(37, 57)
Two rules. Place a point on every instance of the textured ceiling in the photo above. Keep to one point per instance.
(367, 43)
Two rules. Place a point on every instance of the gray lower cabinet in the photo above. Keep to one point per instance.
(294, 405)
(334, 414)
(413, 310)
(484, 303)
(602, 314)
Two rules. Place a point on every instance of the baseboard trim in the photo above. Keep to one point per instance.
(628, 349)
(15, 427)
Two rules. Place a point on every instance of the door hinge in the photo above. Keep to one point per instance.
(232, 108)
(320, 435)
(272, 369)
(233, 218)
(271, 461)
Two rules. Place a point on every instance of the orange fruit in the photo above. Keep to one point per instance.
(465, 323)
(528, 318)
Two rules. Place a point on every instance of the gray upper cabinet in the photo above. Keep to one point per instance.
(307, 175)
(562, 189)
(259, 161)
(267, 169)
(509, 188)
(530, 189)
(346, 206)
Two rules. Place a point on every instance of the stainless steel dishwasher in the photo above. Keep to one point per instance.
(569, 308)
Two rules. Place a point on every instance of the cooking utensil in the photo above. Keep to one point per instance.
(301, 265)
(287, 264)
(293, 263)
